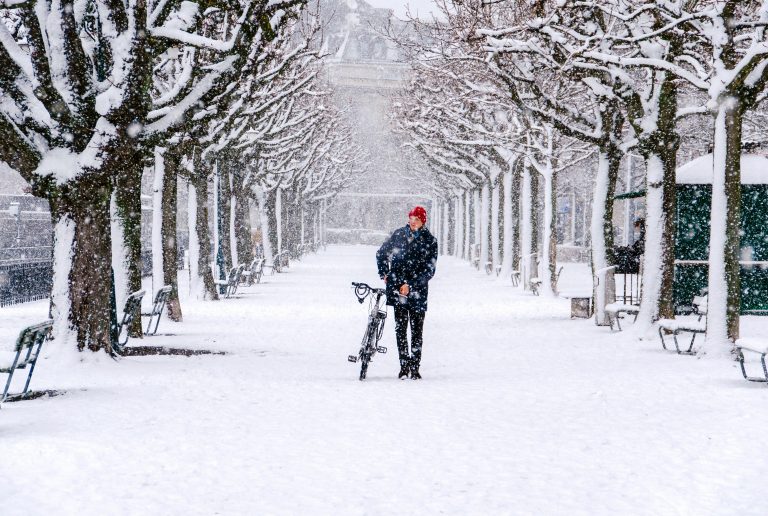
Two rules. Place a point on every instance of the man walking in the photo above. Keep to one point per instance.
(406, 263)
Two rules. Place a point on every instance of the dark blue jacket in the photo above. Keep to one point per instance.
(414, 264)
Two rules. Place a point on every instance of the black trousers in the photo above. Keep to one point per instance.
(403, 315)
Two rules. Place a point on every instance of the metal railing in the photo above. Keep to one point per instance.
(23, 282)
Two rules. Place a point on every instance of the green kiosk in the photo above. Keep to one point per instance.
(694, 193)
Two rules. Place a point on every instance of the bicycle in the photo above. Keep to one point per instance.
(374, 329)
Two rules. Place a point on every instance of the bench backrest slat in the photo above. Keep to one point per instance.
(32, 335)
(163, 294)
(700, 304)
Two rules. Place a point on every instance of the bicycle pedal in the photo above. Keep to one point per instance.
(352, 358)
(381, 349)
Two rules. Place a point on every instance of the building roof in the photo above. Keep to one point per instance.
(754, 170)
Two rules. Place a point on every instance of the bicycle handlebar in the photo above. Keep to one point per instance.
(362, 290)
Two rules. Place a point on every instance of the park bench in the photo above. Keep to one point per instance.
(285, 257)
(535, 285)
(232, 282)
(695, 325)
(27, 351)
(131, 310)
(280, 261)
(254, 272)
(161, 299)
(536, 282)
(757, 346)
(515, 277)
(615, 311)
(475, 258)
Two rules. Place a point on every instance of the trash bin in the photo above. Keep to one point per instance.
(581, 307)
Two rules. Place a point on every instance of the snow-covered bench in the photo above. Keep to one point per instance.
(232, 282)
(161, 299)
(131, 310)
(515, 277)
(25, 354)
(536, 283)
(753, 345)
(475, 256)
(280, 261)
(615, 311)
(694, 325)
(253, 273)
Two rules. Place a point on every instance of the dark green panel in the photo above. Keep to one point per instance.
(691, 279)
(689, 282)
(754, 222)
(693, 207)
(693, 214)
(754, 289)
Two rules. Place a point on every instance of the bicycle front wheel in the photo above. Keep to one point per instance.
(367, 350)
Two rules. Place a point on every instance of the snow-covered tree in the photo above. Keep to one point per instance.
(79, 115)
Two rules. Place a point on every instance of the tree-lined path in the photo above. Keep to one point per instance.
(521, 411)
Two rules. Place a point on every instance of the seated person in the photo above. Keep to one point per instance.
(628, 257)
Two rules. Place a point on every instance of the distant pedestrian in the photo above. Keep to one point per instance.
(406, 263)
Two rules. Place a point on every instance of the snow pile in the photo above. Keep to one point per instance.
(521, 411)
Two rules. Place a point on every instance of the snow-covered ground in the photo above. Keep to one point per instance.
(521, 411)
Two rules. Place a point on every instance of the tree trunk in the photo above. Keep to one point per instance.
(90, 275)
(444, 227)
(243, 226)
(549, 239)
(266, 216)
(525, 228)
(128, 212)
(458, 230)
(601, 234)
(485, 207)
(169, 241)
(495, 230)
(724, 300)
(536, 210)
(659, 148)
(224, 211)
(517, 177)
(157, 220)
(467, 225)
(507, 260)
(200, 179)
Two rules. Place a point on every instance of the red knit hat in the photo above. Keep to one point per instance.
(420, 213)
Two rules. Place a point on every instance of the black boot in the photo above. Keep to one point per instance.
(404, 371)
(415, 372)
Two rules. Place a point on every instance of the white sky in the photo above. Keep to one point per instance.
(421, 7)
